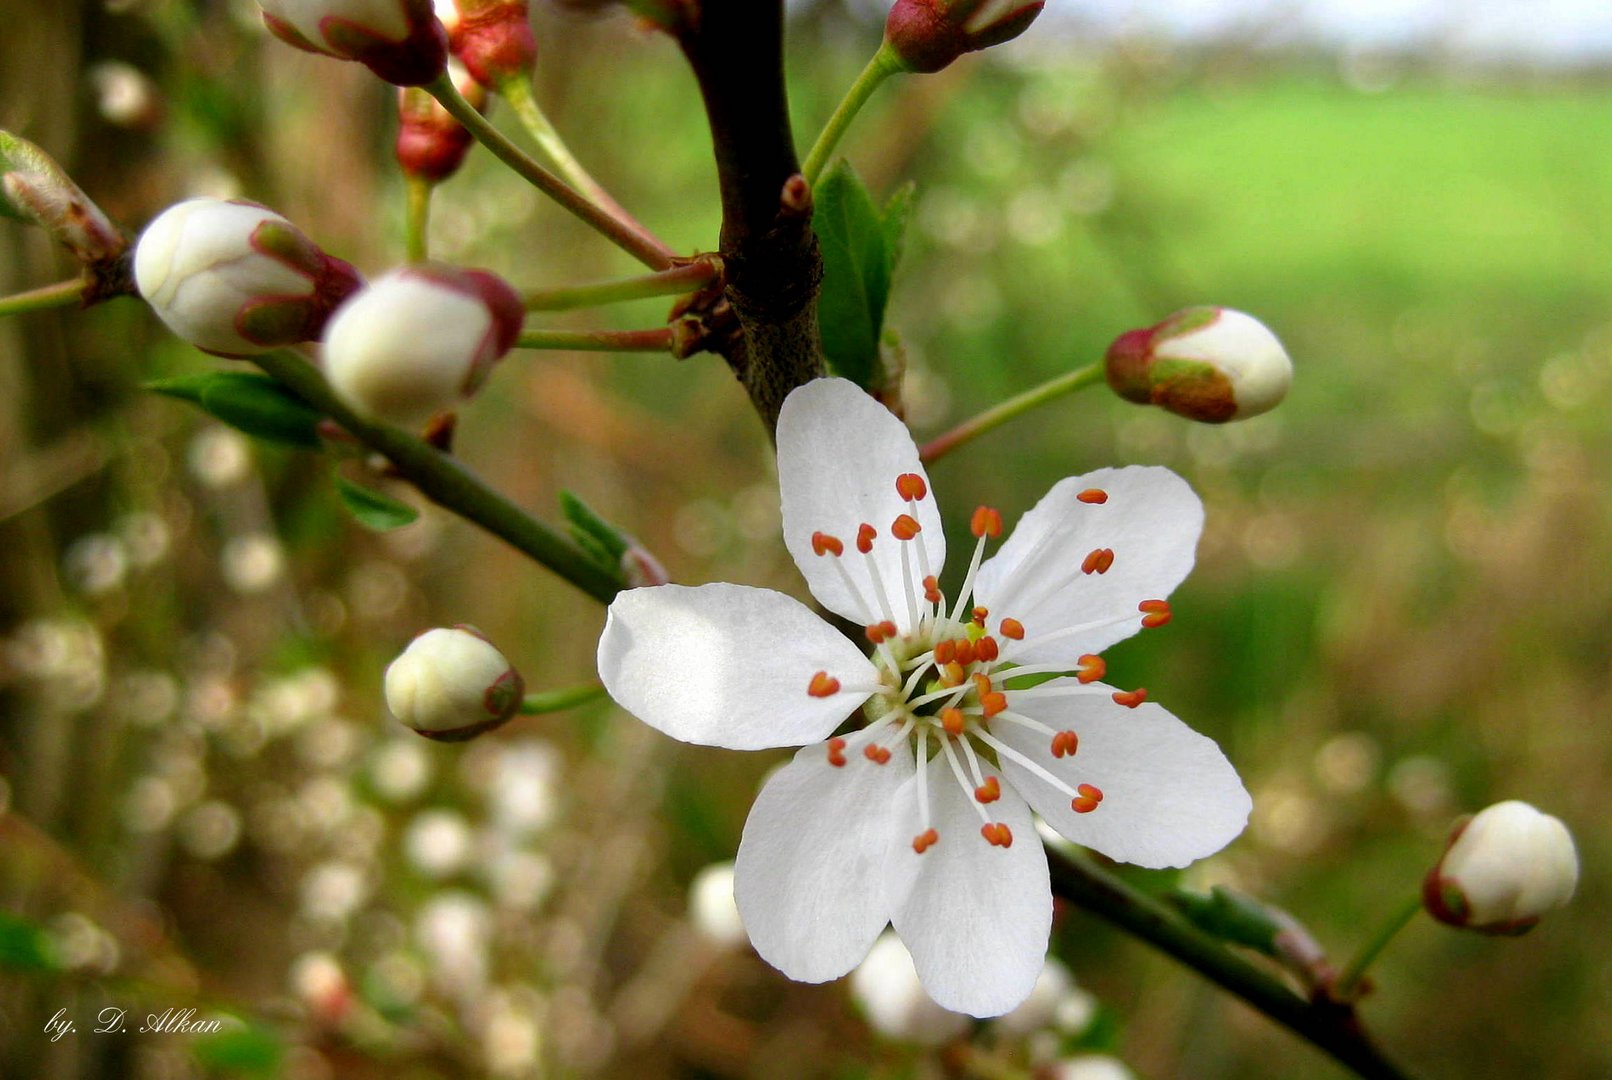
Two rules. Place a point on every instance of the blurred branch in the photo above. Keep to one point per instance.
(773, 264)
(46, 296)
(1326, 1024)
(446, 482)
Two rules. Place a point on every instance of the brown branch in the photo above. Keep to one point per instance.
(770, 252)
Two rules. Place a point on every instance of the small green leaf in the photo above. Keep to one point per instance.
(856, 275)
(374, 510)
(244, 1049)
(897, 216)
(593, 534)
(25, 946)
(1233, 917)
(256, 404)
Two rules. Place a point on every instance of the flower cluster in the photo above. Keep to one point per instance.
(975, 710)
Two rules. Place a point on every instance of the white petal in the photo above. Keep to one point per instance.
(809, 865)
(974, 916)
(839, 453)
(728, 665)
(1169, 794)
(1151, 521)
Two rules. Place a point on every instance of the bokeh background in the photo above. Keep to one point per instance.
(1402, 609)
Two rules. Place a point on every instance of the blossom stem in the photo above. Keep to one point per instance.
(417, 224)
(658, 340)
(884, 64)
(517, 90)
(1329, 1025)
(633, 240)
(46, 296)
(673, 282)
(446, 481)
(567, 697)
(1348, 982)
(1013, 407)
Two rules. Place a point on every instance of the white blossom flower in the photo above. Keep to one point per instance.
(1505, 867)
(912, 818)
(399, 40)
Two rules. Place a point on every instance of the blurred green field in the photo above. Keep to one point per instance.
(1402, 610)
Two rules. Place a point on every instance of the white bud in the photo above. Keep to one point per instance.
(1502, 870)
(235, 278)
(399, 40)
(418, 340)
(711, 907)
(451, 684)
(1205, 363)
(886, 986)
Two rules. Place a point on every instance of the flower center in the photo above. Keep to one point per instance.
(953, 674)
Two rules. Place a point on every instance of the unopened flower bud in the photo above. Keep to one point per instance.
(927, 35)
(431, 144)
(235, 278)
(493, 39)
(399, 40)
(711, 907)
(418, 340)
(1503, 868)
(1205, 363)
(886, 986)
(452, 684)
(35, 189)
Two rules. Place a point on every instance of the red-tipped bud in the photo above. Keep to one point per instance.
(493, 39)
(431, 144)
(418, 340)
(1205, 363)
(452, 684)
(1502, 870)
(235, 278)
(399, 40)
(927, 35)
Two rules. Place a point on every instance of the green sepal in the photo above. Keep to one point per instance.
(373, 510)
(255, 404)
(603, 542)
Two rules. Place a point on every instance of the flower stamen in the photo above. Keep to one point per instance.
(1155, 612)
(823, 685)
(1087, 799)
(836, 752)
(1130, 698)
(1093, 496)
(1098, 562)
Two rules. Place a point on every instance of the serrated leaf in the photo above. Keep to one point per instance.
(24, 945)
(242, 1050)
(593, 533)
(856, 275)
(255, 404)
(374, 510)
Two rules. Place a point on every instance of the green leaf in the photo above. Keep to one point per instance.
(860, 248)
(593, 534)
(25, 946)
(897, 216)
(1233, 917)
(374, 510)
(256, 404)
(243, 1049)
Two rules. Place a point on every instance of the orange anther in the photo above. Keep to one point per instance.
(1065, 743)
(905, 527)
(1091, 668)
(1086, 799)
(1155, 612)
(836, 752)
(1095, 496)
(911, 486)
(823, 685)
(986, 522)
(979, 615)
(953, 721)
(824, 544)
(986, 649)
(988, 792)
(932, 589)
(982, 682)
(876, 754)
(1013, 629)
(945, 652)
(993, 703)
(1098, 561)
(952, 674)
(965, 651)
(864, 537)
(889, 630)
(998, 834)
(925, 840)
(1130, 698)
(875, 633)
